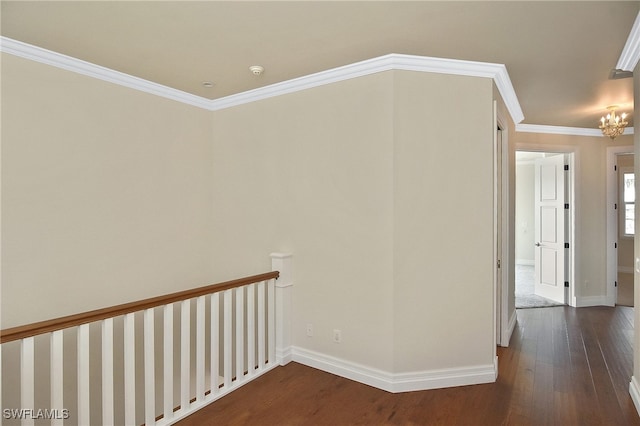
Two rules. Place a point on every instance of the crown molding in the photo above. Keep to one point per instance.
(358, 69)
(497, 72)
(38, 54)
(569, 131)
(394, 61)
(631, 51)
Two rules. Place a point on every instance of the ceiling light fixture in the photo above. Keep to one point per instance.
(256, 69)
(613, 125)
(207, 84)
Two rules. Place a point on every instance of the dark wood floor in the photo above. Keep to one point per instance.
(564, 366)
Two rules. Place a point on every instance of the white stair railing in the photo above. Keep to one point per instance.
(246, 321)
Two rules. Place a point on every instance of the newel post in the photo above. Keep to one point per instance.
(283, 263)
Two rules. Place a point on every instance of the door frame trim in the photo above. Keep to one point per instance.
(573, 157)
(612, 220)
(505, 325)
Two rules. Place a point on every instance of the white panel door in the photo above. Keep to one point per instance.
(549, 228)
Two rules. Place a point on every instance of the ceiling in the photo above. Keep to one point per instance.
(558, 54)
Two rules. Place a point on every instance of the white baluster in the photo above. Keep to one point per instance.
(227, 338)
(56, 366)
(239, 334)
(185, 354)
(149, 369)
(215, 342)
(271, 300)
(168, 361)
(262, 320)
(107, 372)
(263, 317)
(129, 370)
(251, 330)
(200, 311)
(83, 375)
(27, 377)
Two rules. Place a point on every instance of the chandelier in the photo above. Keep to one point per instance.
(613, 125)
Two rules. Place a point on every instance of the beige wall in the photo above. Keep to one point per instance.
(349, 177)
(104, 188)
(310, 173)
(443, 222)
(105, 194)
(106, 199)
(590, 213)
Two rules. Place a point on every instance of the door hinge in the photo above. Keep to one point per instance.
(615, 245)
(499, 263)
(615, 168)
(566, 206)
(566, 245)
(615, 284)
(566, 167)
(566, 284)
(615, 206)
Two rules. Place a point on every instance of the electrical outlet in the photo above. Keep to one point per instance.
(310, 330)
(337, 336)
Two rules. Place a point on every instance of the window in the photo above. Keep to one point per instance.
(628, 203)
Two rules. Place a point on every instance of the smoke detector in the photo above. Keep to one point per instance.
(256, 69)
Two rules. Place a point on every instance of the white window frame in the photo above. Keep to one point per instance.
(622, 204)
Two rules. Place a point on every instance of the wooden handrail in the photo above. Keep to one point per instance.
(36, 328)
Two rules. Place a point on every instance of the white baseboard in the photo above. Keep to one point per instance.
(360, 373)
(584, 302)
(512, 326)
(399, 382)
(634, 391)
(284, 356)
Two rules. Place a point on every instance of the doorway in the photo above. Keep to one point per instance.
(543, 228)
(626, 229)
(620, 226)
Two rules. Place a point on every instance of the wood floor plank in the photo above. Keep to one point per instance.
(564, 366)
(564, 410)
(605, 391)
